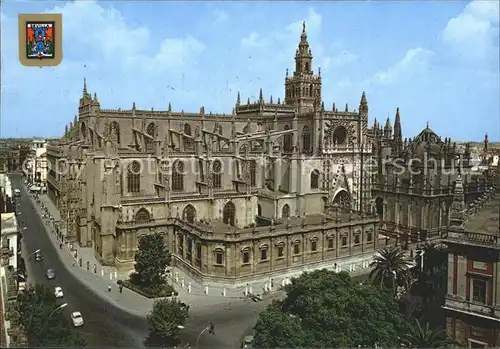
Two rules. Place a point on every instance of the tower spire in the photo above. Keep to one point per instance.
(84, 94)
(363, 104)
(398, 134)
(457, 212)
(238, 99)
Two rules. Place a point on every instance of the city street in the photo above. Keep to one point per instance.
(104, 325)
(107, 325)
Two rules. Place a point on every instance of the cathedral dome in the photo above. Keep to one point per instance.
(428, 141)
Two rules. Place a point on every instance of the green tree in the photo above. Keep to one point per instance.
(389, 264)
(151, 260)
(419, 336)
(324, 309)
(166, 320)
(45, 324)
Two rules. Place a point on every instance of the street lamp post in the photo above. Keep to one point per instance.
(64, 305)
(31, 254)
(202, 331)
(422, 252)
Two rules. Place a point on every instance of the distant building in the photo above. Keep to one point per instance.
(12, 333)
(36, 165)
(473, 299)
(414, 183)
(10, 234)
(7, 204)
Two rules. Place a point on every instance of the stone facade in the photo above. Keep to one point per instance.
(274, 186)
(472, 303)
(414, 179)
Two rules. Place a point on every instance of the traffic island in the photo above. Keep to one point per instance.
(158, 291)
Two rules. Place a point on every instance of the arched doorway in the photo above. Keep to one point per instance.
(342, 200)
(189, 214)
(228, 214)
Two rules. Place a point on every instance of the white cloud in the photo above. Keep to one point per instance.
(220, 16)
(474, 33)
(414, 61)
(289, 35)
(109, 33)
(342, 59)
(254, 40)
(313, 24)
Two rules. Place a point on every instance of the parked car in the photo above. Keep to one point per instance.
(58, 292)
(38, 256)
(51, 274)
(247, 342)
(77, 318)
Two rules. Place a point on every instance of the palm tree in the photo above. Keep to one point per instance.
(419, 336)
(434, 258)
(388, 264)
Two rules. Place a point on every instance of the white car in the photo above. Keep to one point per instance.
(58, 292)
(77, 318)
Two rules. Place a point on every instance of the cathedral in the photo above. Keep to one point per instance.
(274, 187)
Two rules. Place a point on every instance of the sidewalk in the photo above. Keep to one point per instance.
(129, 301)
(190, 291)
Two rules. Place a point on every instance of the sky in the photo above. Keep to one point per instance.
(437, 61)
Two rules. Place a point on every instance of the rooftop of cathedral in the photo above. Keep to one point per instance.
(335, 219)
(486, 220)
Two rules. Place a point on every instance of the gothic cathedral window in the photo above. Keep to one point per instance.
(287, 140)
(178, 176)
(253, 173)
(228, 214)
(188, 141)
(134, 177)
(315, 179)
(306, 139)
(217, 174)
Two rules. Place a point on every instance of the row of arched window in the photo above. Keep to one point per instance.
(189, 214)
(310, 91)
(114, 131)
(296, 248)
(134, 175)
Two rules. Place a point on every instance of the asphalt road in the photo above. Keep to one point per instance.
(106, 325)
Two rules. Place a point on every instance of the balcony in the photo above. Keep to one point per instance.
(459, 304)
(470, 238)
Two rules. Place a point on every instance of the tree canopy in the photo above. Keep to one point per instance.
(419, 336)
(151, 260)
(166, 320)
(45, 324)
(390, 265)
(326, 309)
